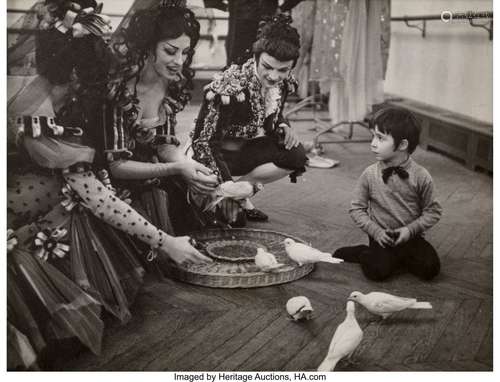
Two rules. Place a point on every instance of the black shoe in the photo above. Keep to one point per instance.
(256, 215)
(350, 254)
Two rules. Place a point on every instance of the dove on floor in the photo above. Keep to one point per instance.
(304, 254)
(299, 308)
(346, 339)
(385, 304)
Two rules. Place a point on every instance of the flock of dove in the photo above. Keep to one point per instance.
(348, 334)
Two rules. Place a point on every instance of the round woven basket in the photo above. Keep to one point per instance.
(233, 252)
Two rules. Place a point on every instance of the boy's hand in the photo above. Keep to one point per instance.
(383, 239)
(404, 235)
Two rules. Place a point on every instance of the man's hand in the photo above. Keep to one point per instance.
(291, 139)
(383, 239)
(404, 235)
(198, 177)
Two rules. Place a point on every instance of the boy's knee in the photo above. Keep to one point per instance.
(376, 272)
(429, 268)
(428, 265)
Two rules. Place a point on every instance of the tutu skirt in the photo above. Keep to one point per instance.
(101, 260)
(47, 307)
(104, 263)
(20, 353)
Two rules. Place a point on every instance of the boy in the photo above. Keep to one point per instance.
(394, 203)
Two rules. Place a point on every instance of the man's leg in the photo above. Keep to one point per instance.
(262, 160)
(266, 173)
(421, 259)
(379, 263)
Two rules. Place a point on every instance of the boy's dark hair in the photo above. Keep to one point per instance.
(399, 123)
(277, 38)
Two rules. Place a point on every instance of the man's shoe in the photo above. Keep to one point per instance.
(256, 215)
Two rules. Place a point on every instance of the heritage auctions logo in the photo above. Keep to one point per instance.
(447, 16)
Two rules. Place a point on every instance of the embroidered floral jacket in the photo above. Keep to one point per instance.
(235, 107)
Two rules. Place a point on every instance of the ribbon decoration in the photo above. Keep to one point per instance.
(38, 125)
(11, 240)
(121, 193)
(226, 84)
(124, 194)
(152, 254)
(81, 22)
(104, 178)
(48, 244)
(70, 198)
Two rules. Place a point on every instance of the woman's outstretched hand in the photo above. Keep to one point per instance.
(198, 177)
(180, 250)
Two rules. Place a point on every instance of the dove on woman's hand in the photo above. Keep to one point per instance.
(238, 191)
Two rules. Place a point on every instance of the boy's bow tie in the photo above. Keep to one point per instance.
(389, 171)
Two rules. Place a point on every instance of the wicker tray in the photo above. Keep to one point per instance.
(236, 269)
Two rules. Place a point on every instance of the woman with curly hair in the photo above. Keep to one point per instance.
(67, 124)
(159, 42)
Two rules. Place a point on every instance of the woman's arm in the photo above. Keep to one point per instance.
(130, 169)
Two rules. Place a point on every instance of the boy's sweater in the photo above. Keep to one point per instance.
(377, 206)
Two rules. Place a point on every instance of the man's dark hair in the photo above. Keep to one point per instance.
(278, 38)
(399, 123)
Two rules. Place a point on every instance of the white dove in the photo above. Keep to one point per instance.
(266, 261)
(304, 254)
(385, 304)
(346, 339)
(234, 190)
(299, 308)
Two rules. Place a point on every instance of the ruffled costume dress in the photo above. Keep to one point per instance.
(137, 152)
(100, 259)
(76, 251)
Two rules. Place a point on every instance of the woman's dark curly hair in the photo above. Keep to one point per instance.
(277, 38)
(59, 56)
(147, 27)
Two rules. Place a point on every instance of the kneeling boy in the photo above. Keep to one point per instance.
(394, 203)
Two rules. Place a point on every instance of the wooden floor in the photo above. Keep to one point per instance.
(178, 326)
